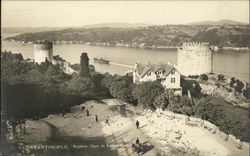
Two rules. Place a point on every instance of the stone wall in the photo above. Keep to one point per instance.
(43, 50)
(207, 125)
(194, 59)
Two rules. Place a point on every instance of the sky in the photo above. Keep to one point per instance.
(79, 13)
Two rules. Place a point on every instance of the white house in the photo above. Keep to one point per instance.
(168, 75)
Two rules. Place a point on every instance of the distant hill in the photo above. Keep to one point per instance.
(221, 22)
(116, 25)
(164, 35)
(21, 30)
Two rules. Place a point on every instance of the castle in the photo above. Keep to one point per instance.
(194, 58)
(43, 50)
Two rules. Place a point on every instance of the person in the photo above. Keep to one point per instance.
(137, 141)
(107, 120)
(137, 124)
(96, 118)
(87, 112)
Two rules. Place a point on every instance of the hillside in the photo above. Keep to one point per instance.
(166, 35)
(20, 30)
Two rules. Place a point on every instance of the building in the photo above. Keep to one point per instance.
(168, 75)
(194, 58)
(43, 50)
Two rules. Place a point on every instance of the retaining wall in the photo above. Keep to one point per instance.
(209, 126)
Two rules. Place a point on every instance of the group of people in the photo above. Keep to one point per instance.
(137, 144)
(96, 117)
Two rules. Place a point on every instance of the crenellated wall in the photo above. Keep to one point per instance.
(194, 58)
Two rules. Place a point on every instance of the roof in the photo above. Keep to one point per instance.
(144, 69)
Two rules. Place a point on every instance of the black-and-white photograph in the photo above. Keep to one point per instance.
(125, 78)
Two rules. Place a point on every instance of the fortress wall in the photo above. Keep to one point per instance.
(43, 50)
(194, 59)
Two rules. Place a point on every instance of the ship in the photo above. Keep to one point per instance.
(101, 61)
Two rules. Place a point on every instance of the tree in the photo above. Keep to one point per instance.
(147, 92)
(221, 77)
(162, 101)
(191, 85)
(80, 85)
(84, 72)
(246, 92)
(204, 77)
(120, 87)
(232, 82)
(239, 86)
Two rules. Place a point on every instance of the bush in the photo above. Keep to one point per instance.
(181, 105)
(162, 101)
(204, 77)
(192, 86)
(147, 92)
(193, 76)
(221, 77)
(239, 86)
(120, 87)
(246, 92)
(229, 119)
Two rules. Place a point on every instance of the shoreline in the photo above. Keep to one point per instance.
(130, 45)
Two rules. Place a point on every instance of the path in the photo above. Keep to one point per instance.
(119, 135)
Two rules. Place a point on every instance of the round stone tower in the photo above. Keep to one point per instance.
(194, 58)
(43, 50)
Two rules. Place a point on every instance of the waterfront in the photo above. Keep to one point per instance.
(227, 62)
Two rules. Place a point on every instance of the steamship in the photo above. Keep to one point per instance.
(101, 61)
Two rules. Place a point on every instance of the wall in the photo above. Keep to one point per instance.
(43, 51)
(209, 126)
(194, 59)
(167, 83)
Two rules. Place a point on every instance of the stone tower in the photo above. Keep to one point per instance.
(43, 50)
(84, 72)
(194, 58)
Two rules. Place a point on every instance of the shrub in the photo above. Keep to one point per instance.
(192, 86)
(221, 77)
(246, 92)
(181, 105)
(120, 87)
(162, 101)
(193, 76)
(147, 92)
(239, 86)
(228, 118)
(204, 77)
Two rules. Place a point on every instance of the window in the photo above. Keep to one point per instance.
(172, 80)
(172, 72)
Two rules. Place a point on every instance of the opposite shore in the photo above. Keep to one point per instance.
(137, 45)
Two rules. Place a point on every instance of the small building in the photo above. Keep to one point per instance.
(167, 74)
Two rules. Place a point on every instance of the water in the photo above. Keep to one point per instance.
(231, 63)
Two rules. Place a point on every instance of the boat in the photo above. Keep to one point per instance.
(101, 61)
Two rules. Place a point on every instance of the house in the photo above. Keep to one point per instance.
(168, 75)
